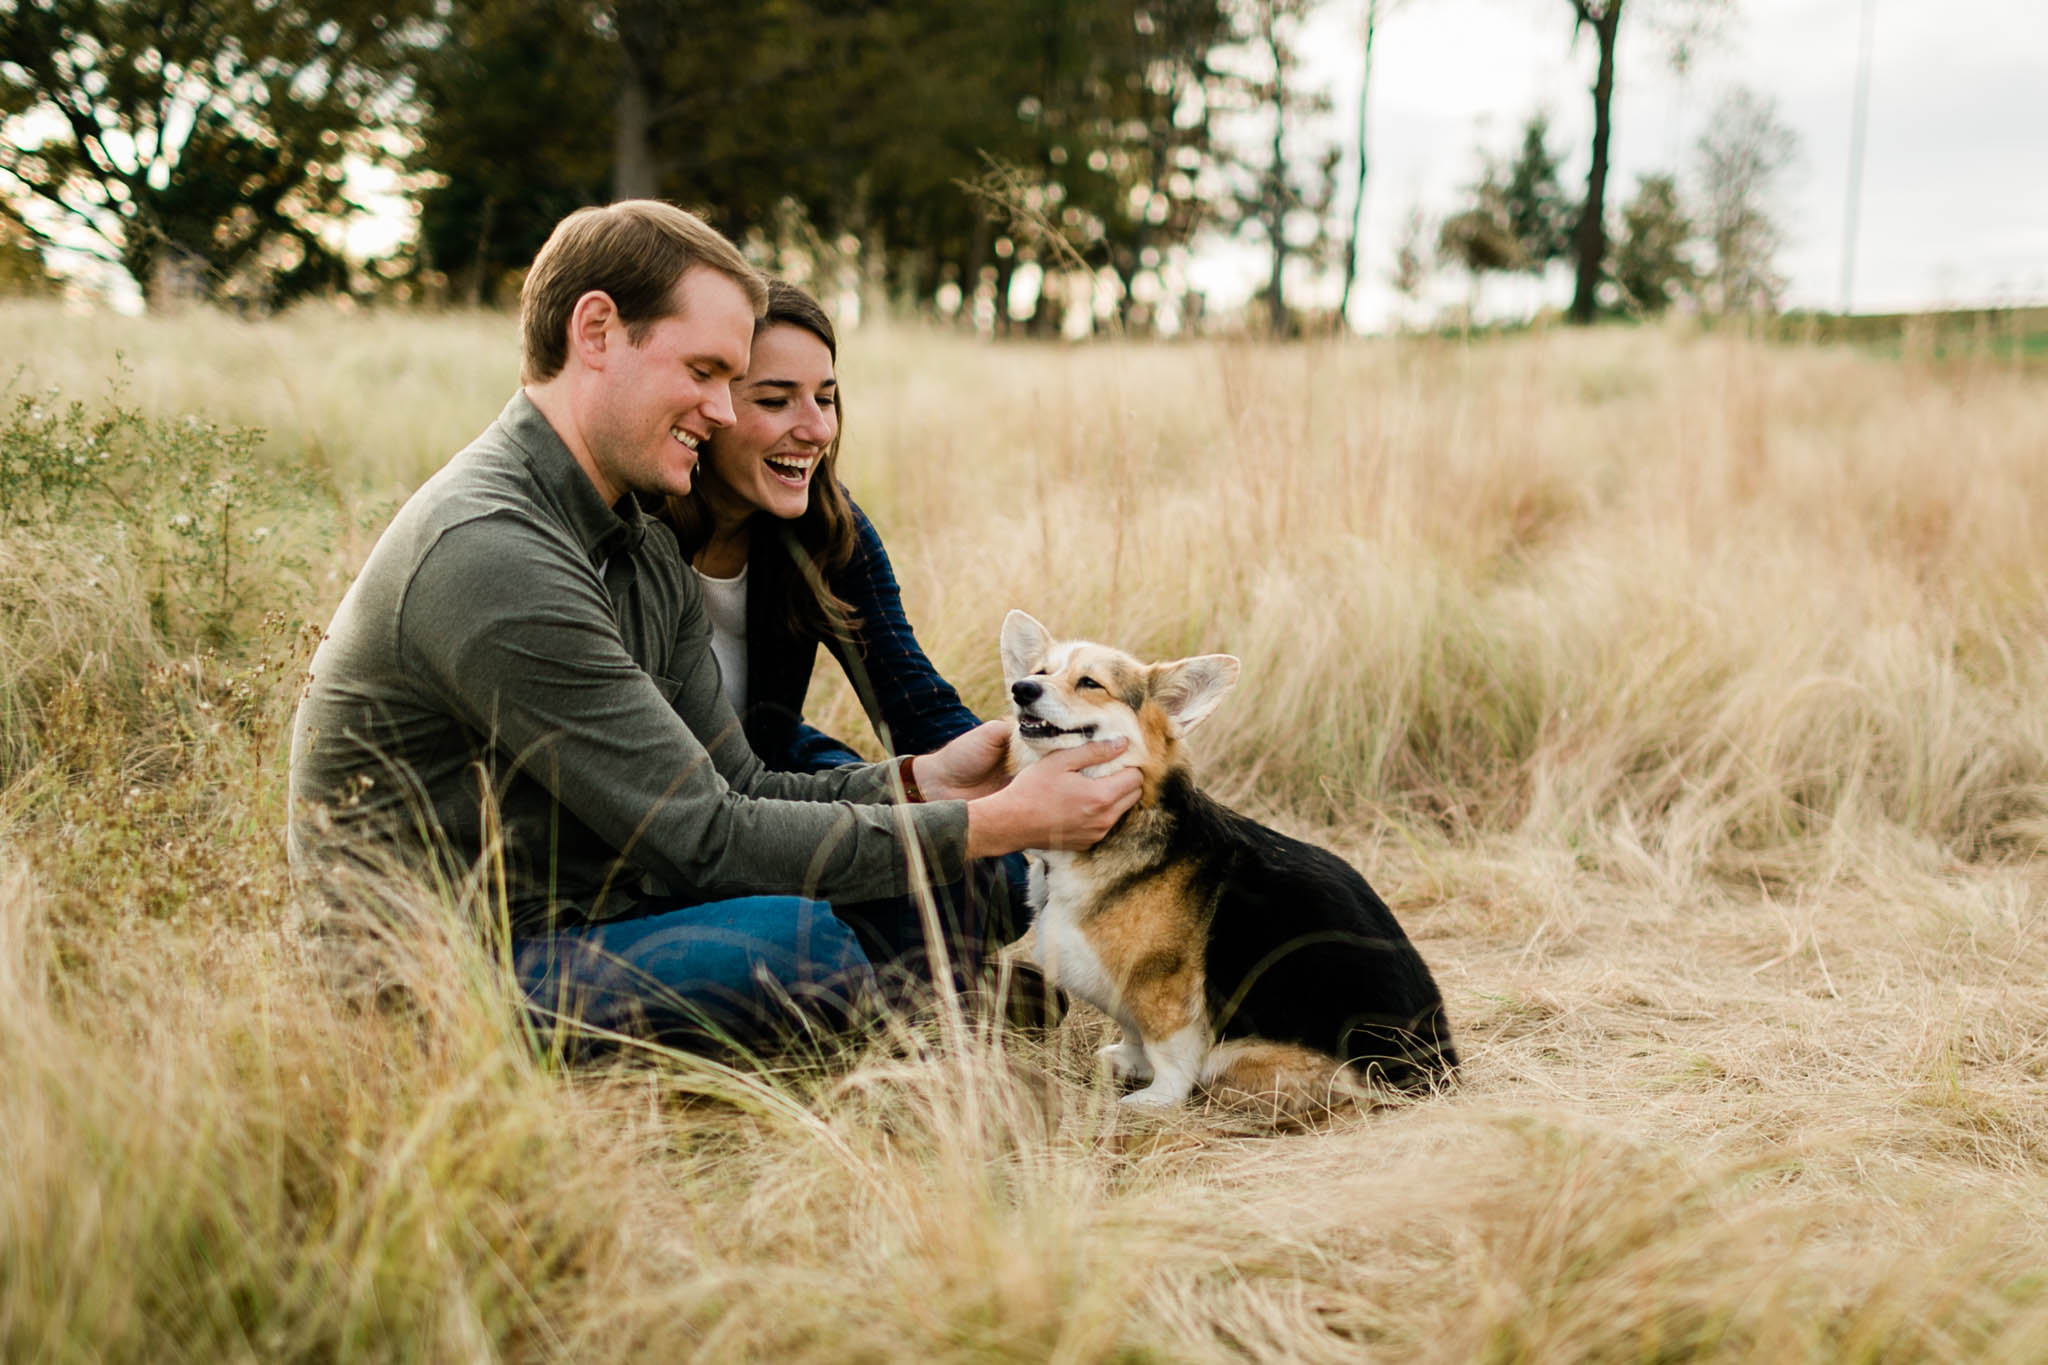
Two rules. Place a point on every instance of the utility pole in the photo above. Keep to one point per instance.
(1857, 125)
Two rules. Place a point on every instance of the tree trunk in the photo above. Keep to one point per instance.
(970, 269)
(1372, 14)
(1276, 299)
(1589, 239)
(479, 269)
(1276, 184)
(1006, 266)
(644, 33)
(632, 135)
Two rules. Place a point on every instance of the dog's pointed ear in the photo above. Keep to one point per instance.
(1188, 689)
(1025, 645)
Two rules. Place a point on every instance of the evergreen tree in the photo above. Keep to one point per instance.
(816, 121)
(1481, 236)
(1653, 264)
(1281, 193)
(501, 162)
(1539, 214)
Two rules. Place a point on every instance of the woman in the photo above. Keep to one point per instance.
(789, 563)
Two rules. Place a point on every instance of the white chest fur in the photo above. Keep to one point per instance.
(1061, 895)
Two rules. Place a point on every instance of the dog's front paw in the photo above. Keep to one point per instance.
(1155, 1097)
(1126, 1061)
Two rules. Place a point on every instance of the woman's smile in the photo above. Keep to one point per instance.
(792, 469)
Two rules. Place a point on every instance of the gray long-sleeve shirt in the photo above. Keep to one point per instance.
(518, 658)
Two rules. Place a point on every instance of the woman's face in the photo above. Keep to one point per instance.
(785, 414)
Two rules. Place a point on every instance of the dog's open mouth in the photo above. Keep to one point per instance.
(1031, 727)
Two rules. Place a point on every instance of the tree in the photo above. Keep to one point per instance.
(501, 162)
(818, 121)
(1685, 22)
(1652, 258)
(206, 139)
(1480, 237)
(1117, 105)
(1744, 150)
(21, 263)
(1363, 164)
(1280, 194)
(1589, 238)
(1539, 214)
(1411, 259)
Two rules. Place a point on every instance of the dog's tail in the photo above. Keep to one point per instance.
(1284, 1081)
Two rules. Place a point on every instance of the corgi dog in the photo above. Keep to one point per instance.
(1236, 959)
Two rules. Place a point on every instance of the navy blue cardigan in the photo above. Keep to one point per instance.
(913, 709)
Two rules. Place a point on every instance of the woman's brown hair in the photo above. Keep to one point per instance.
(822, 540)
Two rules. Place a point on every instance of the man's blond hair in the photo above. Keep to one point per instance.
(633, 251)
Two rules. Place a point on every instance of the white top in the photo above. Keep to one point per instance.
(725, 601)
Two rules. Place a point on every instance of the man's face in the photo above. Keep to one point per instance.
(652, 404)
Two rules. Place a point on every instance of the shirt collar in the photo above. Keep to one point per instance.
(600, 531)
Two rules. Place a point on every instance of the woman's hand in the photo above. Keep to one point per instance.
(971, 765)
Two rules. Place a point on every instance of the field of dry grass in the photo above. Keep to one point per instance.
(1686, 696)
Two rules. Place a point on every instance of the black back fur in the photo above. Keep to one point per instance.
(1302, 950)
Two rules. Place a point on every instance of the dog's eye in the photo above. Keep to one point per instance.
(1090, 682)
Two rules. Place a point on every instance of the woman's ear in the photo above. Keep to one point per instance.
(1025, 645)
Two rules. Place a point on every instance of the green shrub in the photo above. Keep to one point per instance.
(216, 535)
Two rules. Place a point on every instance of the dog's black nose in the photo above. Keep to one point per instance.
(1024, 691)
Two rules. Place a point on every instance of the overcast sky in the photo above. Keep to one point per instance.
(1955, 182)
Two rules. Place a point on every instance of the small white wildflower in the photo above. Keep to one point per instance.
(181, 521)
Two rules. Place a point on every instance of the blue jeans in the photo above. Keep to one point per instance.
(759, 970)
(740, 972)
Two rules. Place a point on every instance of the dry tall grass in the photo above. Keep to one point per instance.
(1685, 697)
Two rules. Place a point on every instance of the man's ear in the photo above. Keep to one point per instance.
(1025, 645)
(1188, 689)
(590, 323)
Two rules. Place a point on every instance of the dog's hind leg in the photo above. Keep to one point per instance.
(1285, 1080)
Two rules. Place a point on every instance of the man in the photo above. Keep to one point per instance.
(522, 673)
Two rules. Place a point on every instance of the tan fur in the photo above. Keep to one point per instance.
(1282, 1080)
(1162, 753)
(1150, 941)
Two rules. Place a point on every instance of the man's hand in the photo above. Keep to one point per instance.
(1051, 805)
(969, 766)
